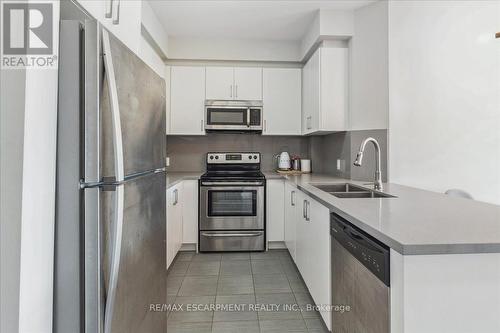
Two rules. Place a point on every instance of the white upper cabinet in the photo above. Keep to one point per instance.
(187, 94)
(247, 83)
(125, 20)
(220, 83)
(229, 83)
(325, 91)
(282, 101)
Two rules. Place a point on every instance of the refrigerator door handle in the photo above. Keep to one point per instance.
(115, 108)
(119, 177)
(115, 259)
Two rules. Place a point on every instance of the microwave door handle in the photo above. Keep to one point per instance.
(248, 117)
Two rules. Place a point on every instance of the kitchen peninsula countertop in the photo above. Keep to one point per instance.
(416, 222)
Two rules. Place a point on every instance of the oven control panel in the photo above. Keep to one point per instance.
(233, 158)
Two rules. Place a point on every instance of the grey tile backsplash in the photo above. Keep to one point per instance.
(187, 153)
(325, 150)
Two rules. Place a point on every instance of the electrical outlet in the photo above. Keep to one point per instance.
(167, 161)
(340, 165)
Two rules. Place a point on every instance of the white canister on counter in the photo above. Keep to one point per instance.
(305, 165)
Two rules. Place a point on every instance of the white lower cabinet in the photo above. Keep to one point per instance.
(312, 247)
(275, 210)
(174, 221)
(190, 212)
(291, 218)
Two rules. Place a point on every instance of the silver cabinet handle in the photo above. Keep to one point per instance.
(292, 198)
(119, 176)
(308, 211)
(107, 6)
(265, 125)
(115, 4)
(249, 234)
(231, 91)
(248, 117)
(201, 125)
(236, 93)
(176, 197)
(304, 204)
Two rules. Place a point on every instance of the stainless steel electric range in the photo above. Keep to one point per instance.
(232, 203)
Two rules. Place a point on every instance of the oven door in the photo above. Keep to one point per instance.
(230, 118)
(232, 207)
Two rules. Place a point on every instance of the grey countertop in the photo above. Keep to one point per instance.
(175, 177)
(417, 222)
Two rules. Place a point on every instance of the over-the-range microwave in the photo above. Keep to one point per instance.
(241, 116)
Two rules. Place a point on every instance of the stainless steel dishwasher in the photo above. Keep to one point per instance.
(360, 280)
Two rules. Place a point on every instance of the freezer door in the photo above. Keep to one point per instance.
(141, 101)
(139, 249)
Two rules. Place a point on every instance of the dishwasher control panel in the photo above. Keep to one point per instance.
(370, 252)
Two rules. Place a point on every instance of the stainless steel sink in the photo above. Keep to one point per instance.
(354, 195)
(346, 187)
(350, 191)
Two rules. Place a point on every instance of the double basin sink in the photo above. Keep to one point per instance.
(350, 191)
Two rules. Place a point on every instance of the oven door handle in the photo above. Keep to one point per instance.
(232, 183)
(249, 234)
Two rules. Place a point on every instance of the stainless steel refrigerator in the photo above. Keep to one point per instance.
(110, 237)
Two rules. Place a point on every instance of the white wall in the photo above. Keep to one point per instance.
(444, 122)
(327, 24)
(27, 226)
(369, 107)
(154, 27)
(150, 57)
(193, 48)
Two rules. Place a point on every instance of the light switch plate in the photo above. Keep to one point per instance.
(167, 161)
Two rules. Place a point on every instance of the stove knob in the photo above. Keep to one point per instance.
(211, 157)
(255, 156)
(250, 157)
(216, 157)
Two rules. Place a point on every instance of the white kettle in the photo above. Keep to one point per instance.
(284, 161)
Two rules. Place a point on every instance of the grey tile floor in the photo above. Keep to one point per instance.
(239, 278)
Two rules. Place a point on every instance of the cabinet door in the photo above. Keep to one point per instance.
(275, 210)
(301, 233)
(282, 101)
(128, 29)
(187, 94)
(220, 83)
(248, 83)
(291, 217)
(319, 274)
(174, 222)
(334, 72)
(170, 225)
(168, 74)
(190, 211)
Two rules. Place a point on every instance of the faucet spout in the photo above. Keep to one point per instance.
(359, 160)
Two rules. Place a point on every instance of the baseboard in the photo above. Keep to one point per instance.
(276, 245)
(188, 247)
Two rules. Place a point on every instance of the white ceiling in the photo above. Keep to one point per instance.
(258, 19)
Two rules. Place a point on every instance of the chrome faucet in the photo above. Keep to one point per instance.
(359, 159)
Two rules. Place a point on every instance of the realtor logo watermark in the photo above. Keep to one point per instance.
(28, 35)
